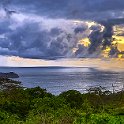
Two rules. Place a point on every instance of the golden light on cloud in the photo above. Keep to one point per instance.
(105, 53)
(85, 42)
(119, 41)
(118, 37)
(120, 55)
(118, 29)
(90, 23)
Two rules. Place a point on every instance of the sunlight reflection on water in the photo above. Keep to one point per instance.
(57, 80)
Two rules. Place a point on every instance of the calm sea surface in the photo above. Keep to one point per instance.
(59, 79)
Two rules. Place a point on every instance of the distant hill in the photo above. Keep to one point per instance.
(9, 75)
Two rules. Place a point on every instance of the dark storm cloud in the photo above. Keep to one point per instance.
(29, 38)
(96, 38)
(83, 9)
(80, 29)
(29, 42)
(4, 26)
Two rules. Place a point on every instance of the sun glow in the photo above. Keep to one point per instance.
(118, 37)
(85, 42)
(105, 53)
(119, 41)
(120, 55)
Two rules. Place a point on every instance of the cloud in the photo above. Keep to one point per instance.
(37, 37)
(79, 9)
(48, 29)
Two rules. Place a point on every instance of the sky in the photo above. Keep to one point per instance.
(60, 32)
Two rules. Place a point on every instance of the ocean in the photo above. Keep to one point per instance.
(59, 79)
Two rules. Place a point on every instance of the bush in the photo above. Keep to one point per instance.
(74, 98)
(36, 106)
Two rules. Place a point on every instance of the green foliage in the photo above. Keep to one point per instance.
(37, 92)
(36, 106)
(74, 98)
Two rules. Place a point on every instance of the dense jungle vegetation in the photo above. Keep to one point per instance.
(20, 105)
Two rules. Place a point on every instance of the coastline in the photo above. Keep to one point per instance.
(36, 105)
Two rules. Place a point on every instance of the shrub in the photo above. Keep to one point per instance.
(74, 98)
